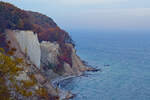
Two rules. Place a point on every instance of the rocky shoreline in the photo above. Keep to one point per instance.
(48, 51)
(68, 94)
(63, 94)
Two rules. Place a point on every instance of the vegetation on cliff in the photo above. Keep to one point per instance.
(47, 30)
(11, 86)
(14, 18)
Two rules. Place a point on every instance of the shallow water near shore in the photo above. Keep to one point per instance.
(127, 77)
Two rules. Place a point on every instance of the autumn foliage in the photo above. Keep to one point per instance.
(12, 87)
(9, 71)
(14, 18)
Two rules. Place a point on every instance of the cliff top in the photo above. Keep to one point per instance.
(47, 30)
(15, 18)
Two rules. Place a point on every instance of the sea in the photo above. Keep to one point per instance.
(124, 60)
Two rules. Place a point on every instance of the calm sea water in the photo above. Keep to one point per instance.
(127, 77)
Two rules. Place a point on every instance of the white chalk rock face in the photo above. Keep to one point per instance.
(29, 44)
(49, 53)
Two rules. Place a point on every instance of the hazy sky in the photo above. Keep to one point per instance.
(93, 14)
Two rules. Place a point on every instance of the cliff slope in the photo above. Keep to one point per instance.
(47, 49)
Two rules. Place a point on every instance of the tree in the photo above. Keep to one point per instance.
(9, 71)
(12, 87)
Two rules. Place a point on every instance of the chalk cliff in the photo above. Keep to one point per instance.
(47, 49)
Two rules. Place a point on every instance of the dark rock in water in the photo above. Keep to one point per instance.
(107, 65)
(94, 69)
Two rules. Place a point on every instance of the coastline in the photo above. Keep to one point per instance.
(59, 79)
(64, 94)
(55, 82)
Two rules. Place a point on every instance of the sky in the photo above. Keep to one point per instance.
(93, 14)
